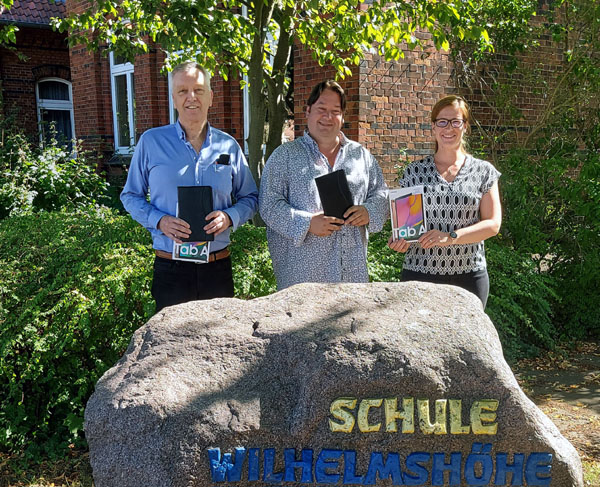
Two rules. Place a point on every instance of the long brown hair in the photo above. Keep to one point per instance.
(462, 105)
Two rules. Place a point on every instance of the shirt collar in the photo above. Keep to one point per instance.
(181, 133)
(309, 139)
(314, 147)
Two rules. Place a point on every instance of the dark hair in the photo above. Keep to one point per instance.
(318, 90)
(460, 102)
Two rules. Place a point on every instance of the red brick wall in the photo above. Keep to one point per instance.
(47, 56)
(307, 74)
(395, 102)
(388, 102)
(227, 112)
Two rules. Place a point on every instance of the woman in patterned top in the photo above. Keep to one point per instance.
(462, 205)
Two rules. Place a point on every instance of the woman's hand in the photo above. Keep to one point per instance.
(435, 238)
(398, 245)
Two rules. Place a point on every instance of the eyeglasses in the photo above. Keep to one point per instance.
(455, 122)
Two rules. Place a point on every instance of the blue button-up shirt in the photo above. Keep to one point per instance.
(164, 159)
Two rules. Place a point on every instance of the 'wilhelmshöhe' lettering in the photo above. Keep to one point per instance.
(339, 467)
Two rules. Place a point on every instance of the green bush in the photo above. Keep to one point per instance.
(252, 268)
(521, 302)
(47, 178)
(74, 287)
(552, 214)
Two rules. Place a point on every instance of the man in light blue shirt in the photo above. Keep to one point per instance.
(189, 153)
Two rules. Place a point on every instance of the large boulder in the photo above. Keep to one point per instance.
(399, 384)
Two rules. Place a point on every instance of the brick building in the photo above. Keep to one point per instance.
(110, 102)
(37, 87)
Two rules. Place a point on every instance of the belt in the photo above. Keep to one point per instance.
(218, 255)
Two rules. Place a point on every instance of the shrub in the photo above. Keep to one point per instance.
(552, 214)
(252, 268)
(47, 178)
(521, 302)
(74, 287)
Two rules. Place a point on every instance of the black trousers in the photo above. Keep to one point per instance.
(477, 282)
(178, 282)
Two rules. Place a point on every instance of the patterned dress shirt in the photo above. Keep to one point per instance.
(289, 198)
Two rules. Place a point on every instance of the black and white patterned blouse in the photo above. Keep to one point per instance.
(449, 206)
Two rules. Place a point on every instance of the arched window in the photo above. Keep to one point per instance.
(54, 99)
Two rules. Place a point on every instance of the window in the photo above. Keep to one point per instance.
(173, 115)
(123, 103)
(54, 100)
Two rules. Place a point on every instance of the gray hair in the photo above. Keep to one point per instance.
(191, 66)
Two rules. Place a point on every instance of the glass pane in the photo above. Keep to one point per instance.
(57, 124)
(53, 90)
(122, 108)
(118, 60)
(131, 83)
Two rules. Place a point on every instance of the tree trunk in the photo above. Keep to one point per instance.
(276, 84)
(258, 107)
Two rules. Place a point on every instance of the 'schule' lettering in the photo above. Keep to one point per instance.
(340, 467)
(446, 418)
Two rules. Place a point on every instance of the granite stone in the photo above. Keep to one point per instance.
(230, 392)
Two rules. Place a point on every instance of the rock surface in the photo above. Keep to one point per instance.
(290, 370)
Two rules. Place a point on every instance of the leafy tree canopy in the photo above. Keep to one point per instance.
(255, 38)
(222, 33)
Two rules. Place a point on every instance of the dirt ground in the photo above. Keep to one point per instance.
(565, 384)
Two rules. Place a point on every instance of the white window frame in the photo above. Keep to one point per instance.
(172, 109)
(49, 104)
(126, 69)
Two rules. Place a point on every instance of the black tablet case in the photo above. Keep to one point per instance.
(334, 193)
(194, 203)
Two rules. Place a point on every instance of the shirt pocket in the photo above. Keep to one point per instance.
(221, 178)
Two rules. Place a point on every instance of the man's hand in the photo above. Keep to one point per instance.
(323, 226)
(220, 222)
(174, 228)
(357, 216)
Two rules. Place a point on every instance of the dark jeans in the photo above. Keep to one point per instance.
(178, 282)
(477, 282)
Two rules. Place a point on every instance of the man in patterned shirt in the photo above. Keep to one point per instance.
(306, 245)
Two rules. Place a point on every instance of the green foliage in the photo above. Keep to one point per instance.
(521, 302)
(552, 213)
(47, 178)
(384, 264)
(252, 268)
(74, 286)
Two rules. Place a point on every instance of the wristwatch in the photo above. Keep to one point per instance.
(453, 235)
